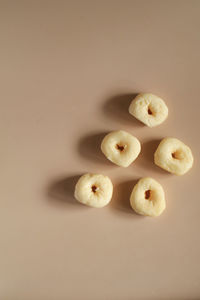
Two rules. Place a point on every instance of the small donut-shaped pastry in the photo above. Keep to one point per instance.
(173, 156)
(148, 198)
(149, 109)
(94, 190)
(120, 147)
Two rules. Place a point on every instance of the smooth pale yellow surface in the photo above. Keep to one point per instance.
(174, 156)
(99, 197)
(152, 206)
(142, 104)
(125, 156)
(69, 71)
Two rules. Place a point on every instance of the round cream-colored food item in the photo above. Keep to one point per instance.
(120, 147)
(173, 156)
(148, 198)
(94, 190)
(149, 109)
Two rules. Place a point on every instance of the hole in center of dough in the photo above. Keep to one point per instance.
(120, 148)
(147, 194)
(150, 111)
(94, 188)
(178, 154)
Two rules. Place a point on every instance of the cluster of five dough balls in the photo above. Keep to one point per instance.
(122, 148)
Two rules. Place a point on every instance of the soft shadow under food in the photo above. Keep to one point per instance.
(146, 157)
(61, 191)
(121, 196)
(89, 147)
(116, 107)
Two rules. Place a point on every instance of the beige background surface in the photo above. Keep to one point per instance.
(69, 70)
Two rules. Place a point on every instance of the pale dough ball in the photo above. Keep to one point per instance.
(94, 190)
(149, 109)
(120, 147)
(148, 198)
(173, 156)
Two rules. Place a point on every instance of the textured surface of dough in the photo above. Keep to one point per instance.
(149, 109)
(173, 156)
(121, 147)
(148, 198)
(94, 190)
